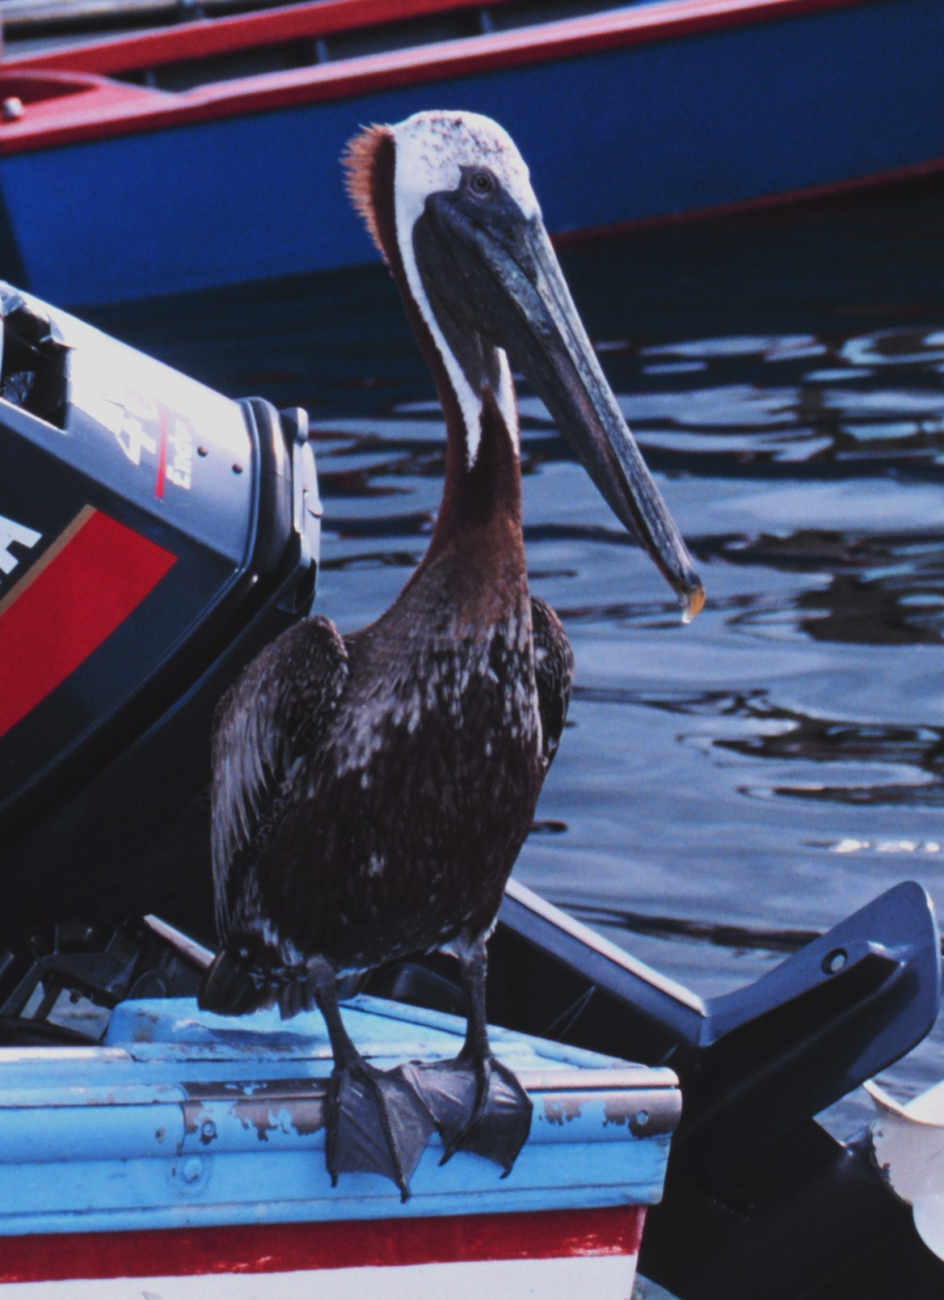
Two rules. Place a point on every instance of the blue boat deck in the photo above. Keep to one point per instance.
(186, 1119)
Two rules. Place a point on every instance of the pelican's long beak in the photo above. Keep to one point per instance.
(510, 288)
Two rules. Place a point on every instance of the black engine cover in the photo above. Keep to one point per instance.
(153, 535)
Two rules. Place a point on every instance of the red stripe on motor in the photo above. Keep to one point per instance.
(161, 456)
(292, 1247)
(103, 573)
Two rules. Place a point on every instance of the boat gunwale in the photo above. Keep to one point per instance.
(548, 1081)
(207, 39)
(320, 18)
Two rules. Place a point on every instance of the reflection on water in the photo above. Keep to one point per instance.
(726, 788)
(749, 724)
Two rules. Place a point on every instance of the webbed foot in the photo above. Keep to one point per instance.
(375, 1123)
(478, 1105)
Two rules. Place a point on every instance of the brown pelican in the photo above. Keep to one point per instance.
(371, 792)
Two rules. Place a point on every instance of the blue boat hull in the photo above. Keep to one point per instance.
(187, 1153)
(630, 135)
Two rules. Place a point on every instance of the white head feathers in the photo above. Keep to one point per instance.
(432, 148)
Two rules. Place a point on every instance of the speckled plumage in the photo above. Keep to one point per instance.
(371, 794)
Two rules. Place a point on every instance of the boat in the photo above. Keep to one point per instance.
(144, 1138)
(184, 1157)
(118, 158)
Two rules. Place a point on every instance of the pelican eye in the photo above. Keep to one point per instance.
(482, 184)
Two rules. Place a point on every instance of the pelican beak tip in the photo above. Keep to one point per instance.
(693, 602)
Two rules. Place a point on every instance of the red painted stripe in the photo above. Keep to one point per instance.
(350, 78)
(161, 454)
(52, 621)
(290, 1247)
(205, 39)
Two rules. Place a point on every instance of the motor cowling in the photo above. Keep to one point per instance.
(153, 536)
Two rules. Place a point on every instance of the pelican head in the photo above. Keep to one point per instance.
(448, 199)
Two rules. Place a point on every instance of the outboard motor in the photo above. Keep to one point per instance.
(153, 536)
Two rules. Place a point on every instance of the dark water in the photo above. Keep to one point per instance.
(778, 763)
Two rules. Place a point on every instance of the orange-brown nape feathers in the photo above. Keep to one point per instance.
(360, 161)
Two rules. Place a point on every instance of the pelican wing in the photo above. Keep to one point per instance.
(266, 724)
(554, 670)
